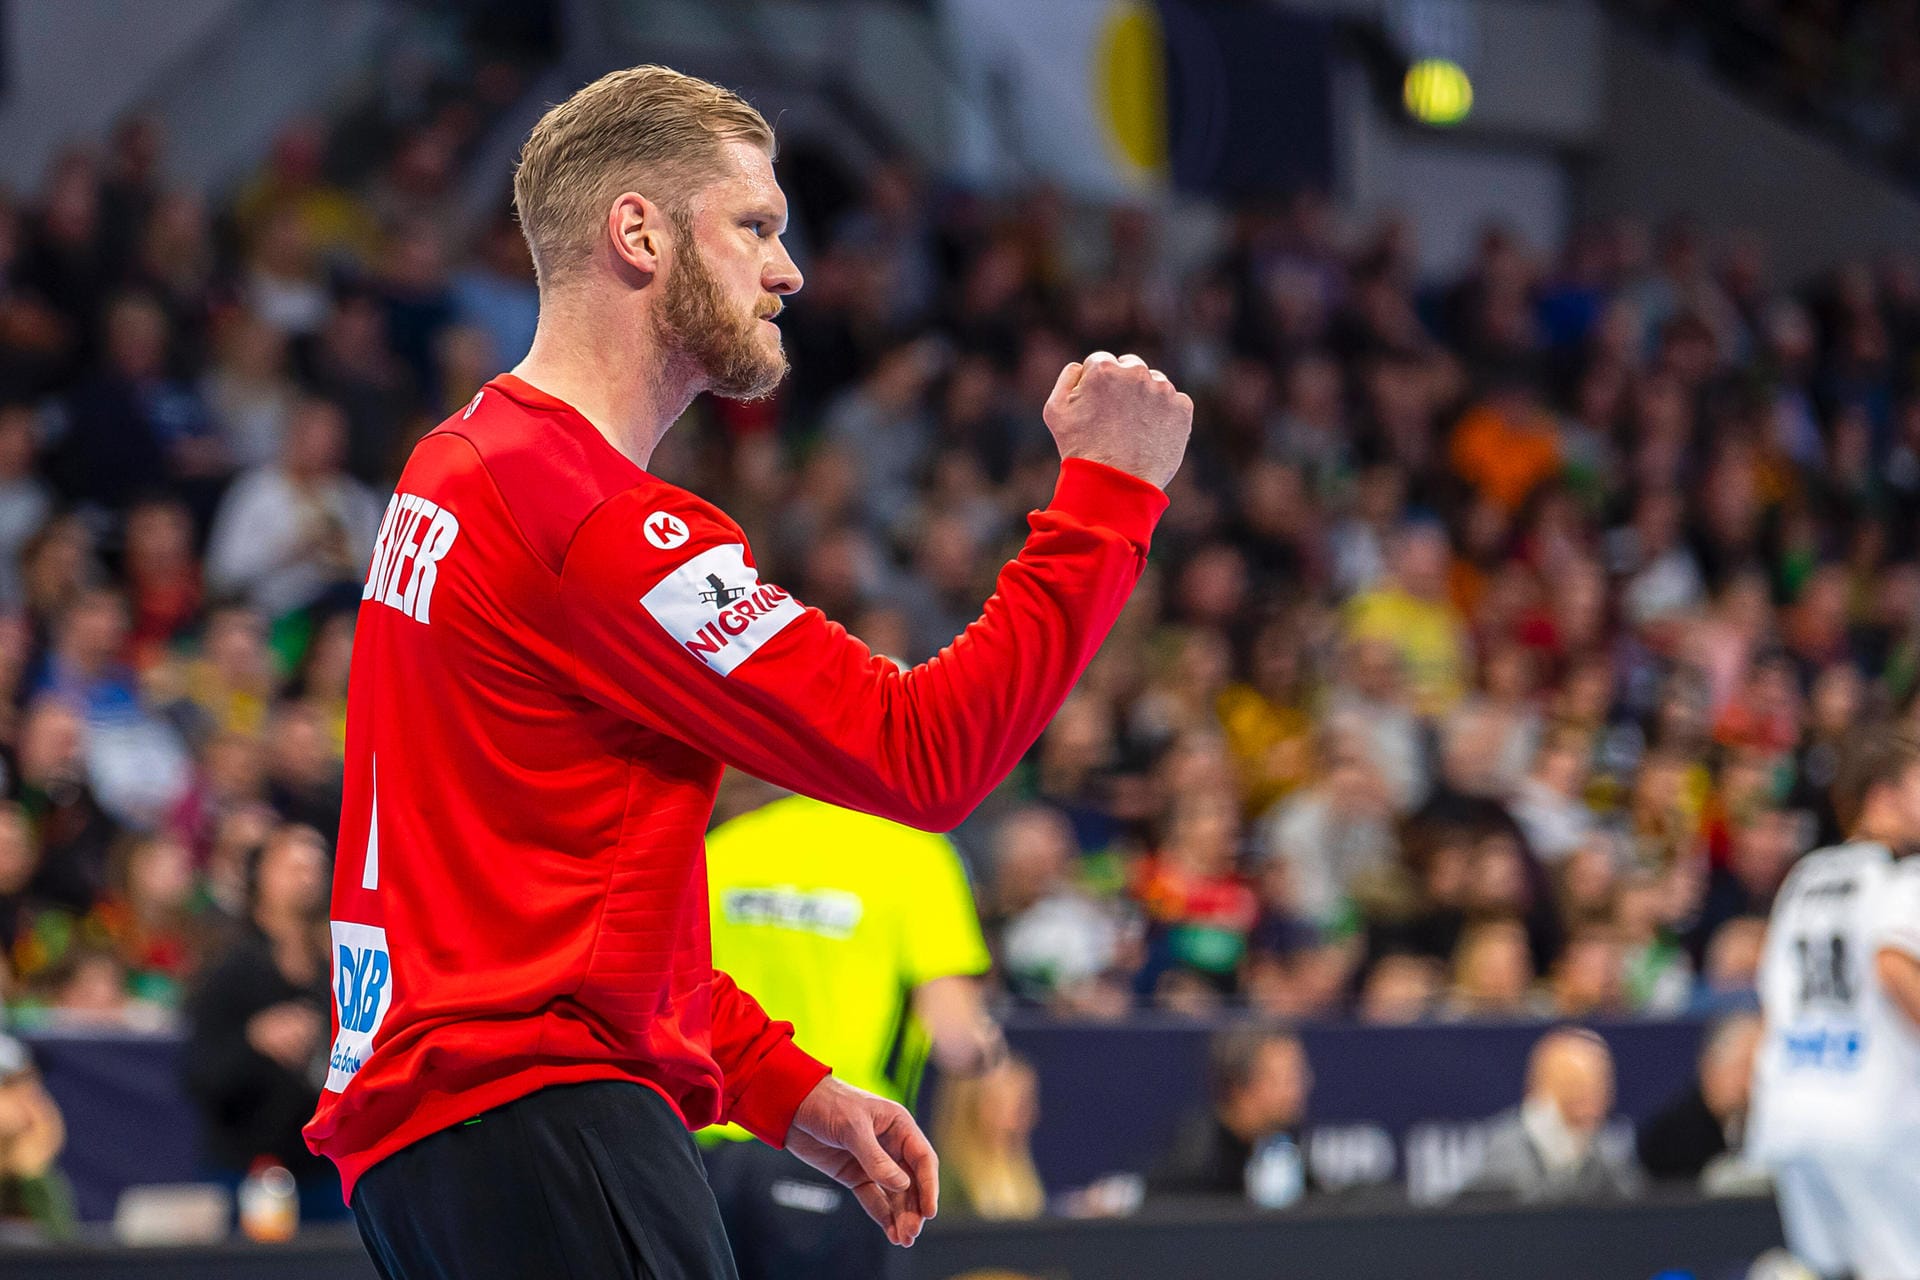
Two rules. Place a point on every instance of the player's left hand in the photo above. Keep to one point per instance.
(873, 1148)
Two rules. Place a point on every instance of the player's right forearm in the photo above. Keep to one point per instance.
(983, 701)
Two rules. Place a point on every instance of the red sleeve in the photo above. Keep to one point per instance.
(768, 1076)
(687, 640)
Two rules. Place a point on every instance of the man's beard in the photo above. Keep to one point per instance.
(698, 326)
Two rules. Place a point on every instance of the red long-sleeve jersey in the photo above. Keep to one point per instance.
(556, 653)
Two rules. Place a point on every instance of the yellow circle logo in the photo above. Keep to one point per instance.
(1130, 89)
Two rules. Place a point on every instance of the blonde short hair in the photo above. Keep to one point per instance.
(648, 129)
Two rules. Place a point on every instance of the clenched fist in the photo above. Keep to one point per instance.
(1118, 411)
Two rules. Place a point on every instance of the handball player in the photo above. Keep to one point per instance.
(556, 654)
(1836, 1084)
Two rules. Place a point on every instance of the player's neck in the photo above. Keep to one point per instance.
(613, 376)
(1882, 831)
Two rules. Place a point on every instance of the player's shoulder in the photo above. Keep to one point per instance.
(1851, 853)
(1835, 862)
(554, 472)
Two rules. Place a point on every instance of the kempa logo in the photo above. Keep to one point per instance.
(666, 530)
(717, 607)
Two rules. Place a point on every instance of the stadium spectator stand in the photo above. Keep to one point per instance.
(1492, 663)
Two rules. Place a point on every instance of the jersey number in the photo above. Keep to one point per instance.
(1825, 976)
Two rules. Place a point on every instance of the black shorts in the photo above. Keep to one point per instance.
(576, 1182)
(788, 1221)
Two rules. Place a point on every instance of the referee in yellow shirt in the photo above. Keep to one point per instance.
(863, 934)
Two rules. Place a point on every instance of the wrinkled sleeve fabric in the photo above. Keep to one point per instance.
(670, 626)
(768, 1076)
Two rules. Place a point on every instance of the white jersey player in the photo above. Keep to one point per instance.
(1836, 1106)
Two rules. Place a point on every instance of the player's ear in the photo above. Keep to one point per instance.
(636, 227)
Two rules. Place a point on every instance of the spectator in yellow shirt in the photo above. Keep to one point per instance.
(1268, 727)
(1410, 610)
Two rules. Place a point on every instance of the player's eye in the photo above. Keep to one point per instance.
(758, 226)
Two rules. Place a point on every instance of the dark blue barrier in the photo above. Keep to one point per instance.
(1701, 1239)
(1707, 1239)
(1112, 1094)
(128, 1119)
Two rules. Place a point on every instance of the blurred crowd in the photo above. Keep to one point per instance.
(1501, 642)
(202, 409)
(1494, 659)
(1848, 67)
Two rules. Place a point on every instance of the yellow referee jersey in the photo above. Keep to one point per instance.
(830, 919)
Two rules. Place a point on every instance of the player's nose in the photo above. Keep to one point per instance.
(782, 276)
